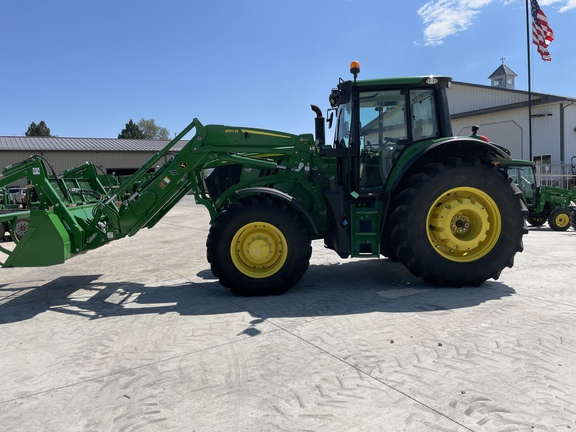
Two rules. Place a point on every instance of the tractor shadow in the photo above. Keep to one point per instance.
(350, 287)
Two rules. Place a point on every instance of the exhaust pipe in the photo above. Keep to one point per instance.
(319, 129)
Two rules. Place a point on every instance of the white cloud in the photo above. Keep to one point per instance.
(444, 18)
(570, 4)
(564, 5)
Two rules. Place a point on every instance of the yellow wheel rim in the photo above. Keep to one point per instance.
(562, 220)
(258, 249)
(464, 224)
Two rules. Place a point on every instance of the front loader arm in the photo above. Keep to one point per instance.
(150, 197)
(76, 213)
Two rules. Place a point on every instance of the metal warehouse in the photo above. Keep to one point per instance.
(502, 113)
(110, 155)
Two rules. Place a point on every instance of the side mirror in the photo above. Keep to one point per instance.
(330, 118)
(344, 92)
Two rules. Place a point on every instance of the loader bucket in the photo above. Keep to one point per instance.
(46, 242)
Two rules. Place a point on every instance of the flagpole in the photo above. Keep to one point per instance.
(528, 39)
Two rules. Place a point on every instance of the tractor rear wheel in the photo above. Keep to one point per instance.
(573, 219)
(559, 219)
(458, 222)
(258, 246)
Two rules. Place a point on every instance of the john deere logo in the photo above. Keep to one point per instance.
(182, 165)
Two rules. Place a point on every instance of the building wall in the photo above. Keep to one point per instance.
(569, 132)
(63, 160)
(546, 132)
(464, 98)
(508, 132)
(510, 128)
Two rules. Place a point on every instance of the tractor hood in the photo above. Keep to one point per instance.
(251, 141)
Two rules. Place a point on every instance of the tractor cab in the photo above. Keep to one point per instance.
(523, 175)
(378, 119)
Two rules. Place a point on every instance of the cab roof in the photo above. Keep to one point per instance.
(405, 81)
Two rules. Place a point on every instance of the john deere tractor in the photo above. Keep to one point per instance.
(545, 203)
(393, 181)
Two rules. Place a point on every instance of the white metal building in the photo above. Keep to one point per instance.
(110, 155)
(502, 113)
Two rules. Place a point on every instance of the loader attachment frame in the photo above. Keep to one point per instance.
(74, 212)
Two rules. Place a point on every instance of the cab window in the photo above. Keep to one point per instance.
(423, 110)
(382, 118)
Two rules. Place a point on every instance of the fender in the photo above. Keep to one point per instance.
(285, 197)
(459, 146)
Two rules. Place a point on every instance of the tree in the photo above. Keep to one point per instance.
(39, 129)
(152, 131)
(132, 131)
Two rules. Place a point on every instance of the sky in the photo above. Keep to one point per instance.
(88, 67)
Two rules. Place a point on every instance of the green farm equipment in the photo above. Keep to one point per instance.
(13, 202)
(545, 203)
(393, 182)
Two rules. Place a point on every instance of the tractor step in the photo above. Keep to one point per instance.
(365, 229)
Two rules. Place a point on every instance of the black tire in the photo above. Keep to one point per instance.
(536, 220)
(386, 247)
(273, 252)
(458, 222)
(559, 219)
(573, 219)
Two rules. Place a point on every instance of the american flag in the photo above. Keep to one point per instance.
(542, 35)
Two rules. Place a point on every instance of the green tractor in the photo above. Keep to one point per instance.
(14, 201)
(392, 182)
(545, 203)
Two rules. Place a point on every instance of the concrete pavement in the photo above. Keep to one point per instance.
(139, 336)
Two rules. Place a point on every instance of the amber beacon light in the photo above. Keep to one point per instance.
(355, 68)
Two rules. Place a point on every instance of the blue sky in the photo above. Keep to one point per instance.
(87, 68)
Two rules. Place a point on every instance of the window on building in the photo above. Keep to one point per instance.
(544, 169)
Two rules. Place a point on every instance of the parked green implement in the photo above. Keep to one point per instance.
(545, 203)
(13, 202)
(393, 182)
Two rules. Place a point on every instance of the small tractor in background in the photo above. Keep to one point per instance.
(545, 203)
(392, 182)
(14, 201)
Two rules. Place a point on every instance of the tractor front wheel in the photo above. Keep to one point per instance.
(536, 220)
(559, 219)
(258, 246)
(458, 222)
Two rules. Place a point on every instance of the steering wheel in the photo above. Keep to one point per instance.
(390, 139)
